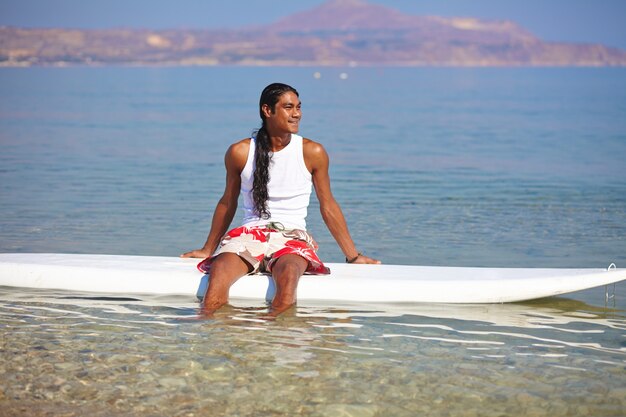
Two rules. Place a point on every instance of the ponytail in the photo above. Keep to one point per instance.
(262, 158)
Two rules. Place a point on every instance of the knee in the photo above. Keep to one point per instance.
(225, 270)
(219, 265)
(228, 264)
(287, 272)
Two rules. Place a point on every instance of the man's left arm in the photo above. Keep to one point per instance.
(317, 162)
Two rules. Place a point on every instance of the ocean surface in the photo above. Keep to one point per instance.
(432, 166)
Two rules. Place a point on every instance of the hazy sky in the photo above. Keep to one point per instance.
(597, 21)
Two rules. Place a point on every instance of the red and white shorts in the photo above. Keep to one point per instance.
(262, 246)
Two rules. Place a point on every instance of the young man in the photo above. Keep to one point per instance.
(274, 172)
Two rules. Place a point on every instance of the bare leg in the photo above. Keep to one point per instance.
(226, 268)
(287, 272)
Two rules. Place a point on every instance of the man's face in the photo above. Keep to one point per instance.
(286, 115)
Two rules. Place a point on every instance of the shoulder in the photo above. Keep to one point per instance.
(313, 149)
(315, 155)
(237, 154)
(240, 147)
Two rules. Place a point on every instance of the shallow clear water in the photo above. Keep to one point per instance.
(468, 167)
(77, 354)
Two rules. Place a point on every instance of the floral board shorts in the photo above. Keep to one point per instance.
(262, 246)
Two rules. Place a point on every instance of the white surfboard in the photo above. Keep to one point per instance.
(115, 275)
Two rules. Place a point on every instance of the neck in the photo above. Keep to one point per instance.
(280, 142)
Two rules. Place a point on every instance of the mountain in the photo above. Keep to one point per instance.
(357, 15)
(338, 32)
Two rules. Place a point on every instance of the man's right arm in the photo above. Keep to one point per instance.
(235, 161)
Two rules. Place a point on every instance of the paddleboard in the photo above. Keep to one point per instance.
(118, 274)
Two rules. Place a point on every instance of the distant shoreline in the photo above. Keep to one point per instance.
(415, 46)
(294, 65)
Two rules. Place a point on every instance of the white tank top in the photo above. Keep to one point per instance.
(289, 187)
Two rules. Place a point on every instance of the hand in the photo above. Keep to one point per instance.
(362, 259)
(198, 253)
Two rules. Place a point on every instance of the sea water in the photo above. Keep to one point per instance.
(463, 167)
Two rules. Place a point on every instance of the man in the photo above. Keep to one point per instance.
(274, 171)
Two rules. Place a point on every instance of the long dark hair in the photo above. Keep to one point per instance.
(263, 151)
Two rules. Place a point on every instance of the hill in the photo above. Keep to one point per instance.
(337, 33)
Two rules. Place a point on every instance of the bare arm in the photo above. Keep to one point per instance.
(317, 162)
(226, 208)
